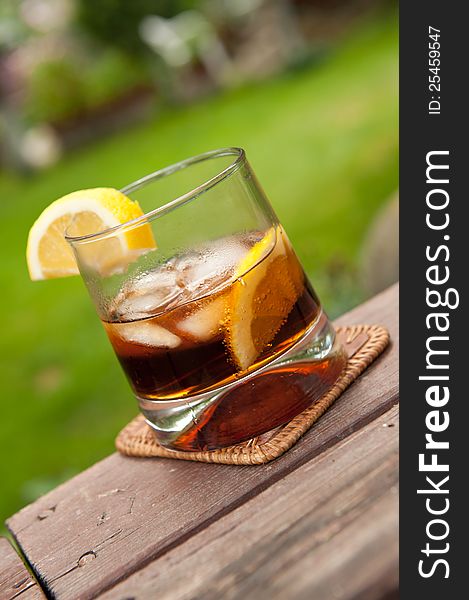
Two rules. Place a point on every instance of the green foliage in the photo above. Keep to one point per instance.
(111, 75)
(116, 22)
(65, 87)
(55, 90)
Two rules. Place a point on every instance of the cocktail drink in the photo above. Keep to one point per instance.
(207, 307)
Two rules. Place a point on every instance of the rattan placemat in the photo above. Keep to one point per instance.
(363, 343)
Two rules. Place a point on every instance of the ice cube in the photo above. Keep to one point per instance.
(211, 266)
(204, 322)
(182, 279)
(146, 334)
(139, 307)
(161, 281)
(147, 294)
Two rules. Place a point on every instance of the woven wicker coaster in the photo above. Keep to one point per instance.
(363, 344)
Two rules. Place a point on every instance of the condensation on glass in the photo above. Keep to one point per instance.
(207, 307)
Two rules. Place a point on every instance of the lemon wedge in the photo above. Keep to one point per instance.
(49, 255)
(268, 282)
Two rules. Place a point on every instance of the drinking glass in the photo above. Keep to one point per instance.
(217, 327)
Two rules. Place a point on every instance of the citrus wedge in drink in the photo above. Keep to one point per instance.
(268, 283)
(84, 212)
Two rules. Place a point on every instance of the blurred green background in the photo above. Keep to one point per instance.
(100, 99)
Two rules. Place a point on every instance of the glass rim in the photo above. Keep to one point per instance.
(192, 194)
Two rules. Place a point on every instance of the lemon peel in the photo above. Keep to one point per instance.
(49, 255)
(269, 282)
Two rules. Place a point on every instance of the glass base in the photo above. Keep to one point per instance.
(267, 398)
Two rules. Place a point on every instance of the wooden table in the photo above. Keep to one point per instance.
(319, 523)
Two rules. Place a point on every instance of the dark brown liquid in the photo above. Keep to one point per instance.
(165, 359)
(263, 403)
(195, 367)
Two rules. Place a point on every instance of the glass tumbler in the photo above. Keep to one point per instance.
(217, 327)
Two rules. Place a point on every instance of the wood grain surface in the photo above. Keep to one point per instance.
(326, 530)
(15, 579)
(122, 513)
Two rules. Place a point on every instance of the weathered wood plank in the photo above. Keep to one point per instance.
(15, 579)
(109, 521)
(327, 530)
